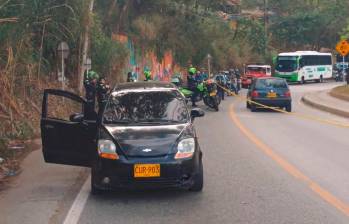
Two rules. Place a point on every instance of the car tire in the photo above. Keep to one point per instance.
(198, 184)
(94, 189)
(216, 107)
(253, 108)
(248, 106)
(289, 108)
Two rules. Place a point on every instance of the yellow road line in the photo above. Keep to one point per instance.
(289, 168)
(303, 116)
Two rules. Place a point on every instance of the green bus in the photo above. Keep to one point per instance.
(303, 66)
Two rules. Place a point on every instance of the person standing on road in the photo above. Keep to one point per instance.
(102, 94)
(221, 84)
(130, 77)
(238, 79)
(192, 84)
(90, 84)
(233, 81)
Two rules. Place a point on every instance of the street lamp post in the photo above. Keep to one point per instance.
(63, 52)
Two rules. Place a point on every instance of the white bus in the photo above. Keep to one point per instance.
(302, 66)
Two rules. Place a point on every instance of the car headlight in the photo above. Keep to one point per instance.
(107, 149)
(186, 148)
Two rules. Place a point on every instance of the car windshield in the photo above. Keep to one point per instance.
(256, 70)
(270, 83)
(286, 64)
(146, 107)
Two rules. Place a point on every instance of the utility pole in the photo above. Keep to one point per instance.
(85, 48)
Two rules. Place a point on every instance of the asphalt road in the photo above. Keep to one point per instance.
(264, 167)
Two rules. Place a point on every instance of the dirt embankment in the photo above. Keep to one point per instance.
(20, 110)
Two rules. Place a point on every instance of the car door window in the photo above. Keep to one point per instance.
(62, 108)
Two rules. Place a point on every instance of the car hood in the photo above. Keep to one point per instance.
(148, 141)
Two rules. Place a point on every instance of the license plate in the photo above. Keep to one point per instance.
(271, 95)
(213, 94)
(146, 170)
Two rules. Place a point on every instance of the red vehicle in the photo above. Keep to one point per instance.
(255, 71)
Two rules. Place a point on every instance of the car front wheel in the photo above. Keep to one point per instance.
(198, 180)
(94, 179)
(253, 107)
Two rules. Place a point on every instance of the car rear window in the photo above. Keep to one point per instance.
(271, 83)
(146, 108)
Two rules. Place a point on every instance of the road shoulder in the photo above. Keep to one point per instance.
(42, 193)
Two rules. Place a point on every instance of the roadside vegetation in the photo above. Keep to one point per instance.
(233, 32)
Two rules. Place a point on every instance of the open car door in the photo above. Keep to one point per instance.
(67, 138)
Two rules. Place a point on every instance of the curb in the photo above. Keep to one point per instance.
(325, 108)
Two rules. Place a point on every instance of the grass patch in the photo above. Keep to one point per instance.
(341, 92)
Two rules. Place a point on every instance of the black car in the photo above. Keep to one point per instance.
(269, 91)
(143, 138)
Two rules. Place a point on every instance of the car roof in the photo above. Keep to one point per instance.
(150, 85)
(273, 78)
(258, 66)
(300, 53)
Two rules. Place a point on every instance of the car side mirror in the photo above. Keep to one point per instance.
(197, 112)
(76, 118)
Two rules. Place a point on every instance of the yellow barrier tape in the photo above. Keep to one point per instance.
(303, 116)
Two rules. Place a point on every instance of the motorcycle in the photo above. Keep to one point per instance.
(206, 91)
(339, 76)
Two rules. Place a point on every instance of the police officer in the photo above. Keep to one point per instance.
(129, 77)
(102, 94)
(147, 75)
(90, 84)
(238, 79)
(192, 84)
(221, 84)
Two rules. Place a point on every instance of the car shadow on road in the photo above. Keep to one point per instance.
(140, 196)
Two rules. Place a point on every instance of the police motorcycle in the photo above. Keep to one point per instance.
(206, 91)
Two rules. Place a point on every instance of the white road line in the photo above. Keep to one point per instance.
(76, 209)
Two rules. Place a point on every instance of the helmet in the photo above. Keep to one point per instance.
(92, 75)
(192, 70)
(147, 75)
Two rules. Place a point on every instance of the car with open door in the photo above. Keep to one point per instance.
(143, 138)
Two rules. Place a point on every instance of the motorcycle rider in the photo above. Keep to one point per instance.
(192, 84)
(90, 84)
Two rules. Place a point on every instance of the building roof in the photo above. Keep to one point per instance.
(298, 53)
